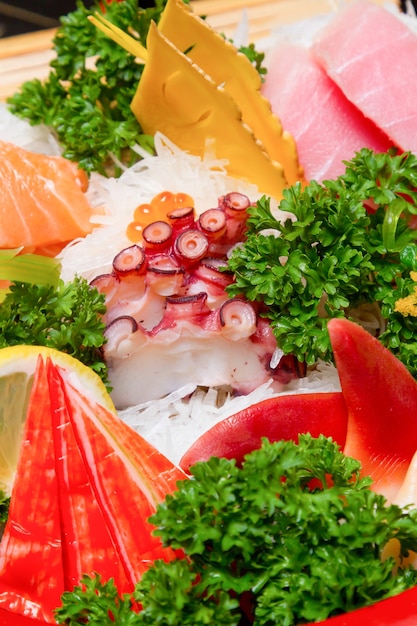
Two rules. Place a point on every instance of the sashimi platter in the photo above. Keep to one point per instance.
(208, 320)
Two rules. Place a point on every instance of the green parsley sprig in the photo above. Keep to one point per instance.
(67, 317)
(334, 255)
(86, 98)
(4, 509)
(292, 536)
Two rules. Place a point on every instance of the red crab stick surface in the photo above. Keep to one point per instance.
(128, 482)
(31, 571)
(8, 618)
(85, 487)
(400, 610)
(87, 542)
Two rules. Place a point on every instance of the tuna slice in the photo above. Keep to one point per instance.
(328, 129)
(372, 56)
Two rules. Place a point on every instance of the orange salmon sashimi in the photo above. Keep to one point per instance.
(43, 201)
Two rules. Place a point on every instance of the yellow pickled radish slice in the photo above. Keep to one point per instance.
(179, 99)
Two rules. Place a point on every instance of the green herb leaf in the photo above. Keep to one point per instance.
(348, 244)
(86, 97)
(295, 527)
(67, 317)
(292, 536)
(97, 599)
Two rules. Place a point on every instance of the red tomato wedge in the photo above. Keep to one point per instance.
(381, 398)
(281, 417)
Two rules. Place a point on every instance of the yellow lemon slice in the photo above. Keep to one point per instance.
(17, 366)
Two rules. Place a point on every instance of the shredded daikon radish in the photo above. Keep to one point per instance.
(171, 170)
(173, 423)
(21, 133)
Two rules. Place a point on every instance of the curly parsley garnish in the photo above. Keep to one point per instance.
(87, 96)
(349, 243)
(67, 317)
(4, 509)
(293, 536)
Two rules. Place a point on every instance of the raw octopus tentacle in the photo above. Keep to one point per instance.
(167, 298)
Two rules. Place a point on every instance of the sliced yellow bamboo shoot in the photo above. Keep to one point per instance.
(175, 97)
(232, 70)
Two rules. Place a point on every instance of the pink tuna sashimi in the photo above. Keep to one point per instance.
(372, 56)
(327, 128)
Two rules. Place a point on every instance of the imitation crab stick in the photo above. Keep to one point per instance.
(8, 618)
(31, 571)
(87, 544)
(84, 490)
(125, 493)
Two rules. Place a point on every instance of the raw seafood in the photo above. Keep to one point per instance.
(328, 129)
(169, 319)
(381, 399)
(372, 56)
(43, 199)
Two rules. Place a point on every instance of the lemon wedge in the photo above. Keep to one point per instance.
(17, 367)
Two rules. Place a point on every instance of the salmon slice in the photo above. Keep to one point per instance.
(43, 199)
(372, 56)
(327, 128)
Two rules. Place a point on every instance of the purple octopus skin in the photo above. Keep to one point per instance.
(169, 320)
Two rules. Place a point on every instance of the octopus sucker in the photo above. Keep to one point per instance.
(170, 321)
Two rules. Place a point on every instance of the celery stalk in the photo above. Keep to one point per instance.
(28, 268)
